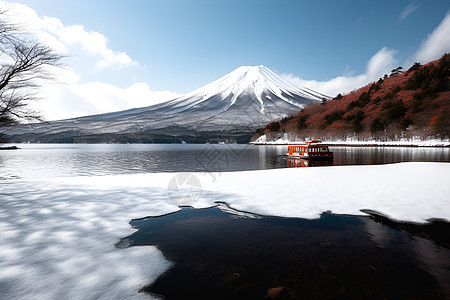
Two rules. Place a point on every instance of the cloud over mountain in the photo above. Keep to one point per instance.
(378, 65)
(433, 47)
(437, 43)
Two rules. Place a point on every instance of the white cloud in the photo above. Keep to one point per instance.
(68, 97)
(409, 9)
(433, 47)
(93, 43)
(74, 100)
(381, 63)
(68, 39)
(436, 44)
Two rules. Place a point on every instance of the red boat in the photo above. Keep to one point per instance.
(310, 150)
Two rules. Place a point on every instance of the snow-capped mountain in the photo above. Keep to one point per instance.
(230, 108)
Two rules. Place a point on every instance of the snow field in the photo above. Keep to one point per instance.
(59, 234)
(58, 240)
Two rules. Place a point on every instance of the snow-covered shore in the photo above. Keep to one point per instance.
(286, 139)
(58, 234)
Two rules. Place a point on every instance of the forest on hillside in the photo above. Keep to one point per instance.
(404, 104)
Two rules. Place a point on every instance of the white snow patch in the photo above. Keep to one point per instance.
(58, 235)
(292, 138)
(411, 192)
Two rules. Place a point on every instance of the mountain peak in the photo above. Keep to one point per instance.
(255, 70)
(249, 68)
(257, 86)
(256, 80)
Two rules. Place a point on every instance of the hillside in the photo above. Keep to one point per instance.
(414, 103)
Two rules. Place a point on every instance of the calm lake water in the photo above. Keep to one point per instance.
(223, 255)
(56, 160)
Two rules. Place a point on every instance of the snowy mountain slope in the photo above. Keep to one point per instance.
(238, 102)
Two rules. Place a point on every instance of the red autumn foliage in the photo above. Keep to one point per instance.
(413, 103)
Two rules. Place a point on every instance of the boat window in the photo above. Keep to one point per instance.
(325, 149)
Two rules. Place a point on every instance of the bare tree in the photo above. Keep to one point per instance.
(25, 64)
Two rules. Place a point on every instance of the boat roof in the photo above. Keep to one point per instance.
(313, 143)
(303, 145)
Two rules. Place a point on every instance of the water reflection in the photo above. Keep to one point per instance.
(56, 160)
(301, 163)
(427, 252)
(384, 155)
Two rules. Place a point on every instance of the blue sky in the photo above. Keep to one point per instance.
(178, 46)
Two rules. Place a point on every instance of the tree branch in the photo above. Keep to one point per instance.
(25, 64)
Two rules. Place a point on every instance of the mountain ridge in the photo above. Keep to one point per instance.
(229, 109)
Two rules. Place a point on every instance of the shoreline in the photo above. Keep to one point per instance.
(362, 144)
(356, 145)
(9, 148)
(416, 141)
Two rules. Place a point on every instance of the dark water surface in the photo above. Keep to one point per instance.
(56, 160)
(224, 254)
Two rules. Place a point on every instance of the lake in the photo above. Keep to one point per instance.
(62, 160)
(217, 252)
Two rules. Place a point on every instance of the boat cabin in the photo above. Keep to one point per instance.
(310, 150)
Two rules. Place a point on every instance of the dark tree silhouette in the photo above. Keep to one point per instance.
(397, 71)
(25, 66)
